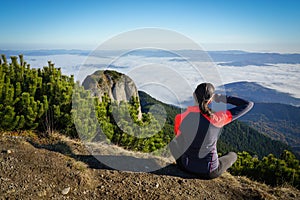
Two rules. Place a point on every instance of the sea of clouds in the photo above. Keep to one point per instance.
(172, 80)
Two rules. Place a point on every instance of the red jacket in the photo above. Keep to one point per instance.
(219, 119)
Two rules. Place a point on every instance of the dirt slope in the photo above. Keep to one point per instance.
(61, 168)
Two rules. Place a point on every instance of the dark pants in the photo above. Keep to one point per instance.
(225, 162)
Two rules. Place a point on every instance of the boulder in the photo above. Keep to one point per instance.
(119, 87)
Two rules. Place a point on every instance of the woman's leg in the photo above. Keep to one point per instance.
(225, 162)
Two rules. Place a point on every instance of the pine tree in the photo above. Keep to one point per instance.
(271, 170)
(35, 98)
(84, 115)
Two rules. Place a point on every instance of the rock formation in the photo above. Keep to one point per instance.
(119, 87)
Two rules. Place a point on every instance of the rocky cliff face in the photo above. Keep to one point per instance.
(118, 86)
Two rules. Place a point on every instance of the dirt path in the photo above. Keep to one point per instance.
(63, 169)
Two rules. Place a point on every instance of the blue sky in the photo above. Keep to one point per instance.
(256, 25)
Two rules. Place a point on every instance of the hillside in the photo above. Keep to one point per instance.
(278, 121)
(61, 168)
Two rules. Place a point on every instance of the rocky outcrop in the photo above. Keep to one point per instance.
(119, 87)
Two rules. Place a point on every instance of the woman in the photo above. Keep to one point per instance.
(197, 131)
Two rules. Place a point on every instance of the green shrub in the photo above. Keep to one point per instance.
(271, 170)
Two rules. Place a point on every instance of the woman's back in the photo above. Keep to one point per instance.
(197, 131)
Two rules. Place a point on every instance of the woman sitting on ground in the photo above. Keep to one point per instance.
(197, 131)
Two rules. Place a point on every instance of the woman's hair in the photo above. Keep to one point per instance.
(203, 93)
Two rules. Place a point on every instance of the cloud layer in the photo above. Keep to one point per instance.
(173, 79)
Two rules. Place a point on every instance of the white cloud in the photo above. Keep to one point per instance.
(172, 80)
(281, 77)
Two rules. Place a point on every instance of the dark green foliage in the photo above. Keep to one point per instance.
(244, 138)
(58, 88)
(41, 99)
(113, 74)
(129, 131)
(35, 98)
(84, 114)
(278, 121)
(147, 101)
(271, 170)
(117, 123)
(20, 106)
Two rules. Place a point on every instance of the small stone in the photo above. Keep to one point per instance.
(65, 191)
(42, 193)
(136, 183)
(157, 185)
(7, 151)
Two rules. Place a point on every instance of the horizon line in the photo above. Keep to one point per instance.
(149, 48)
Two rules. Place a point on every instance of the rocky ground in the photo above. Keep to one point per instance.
(61, 168)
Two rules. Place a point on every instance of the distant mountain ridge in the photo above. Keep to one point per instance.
(243, 63)
(45, 52)
(259, 58)
(259, 94)
(229, 57)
